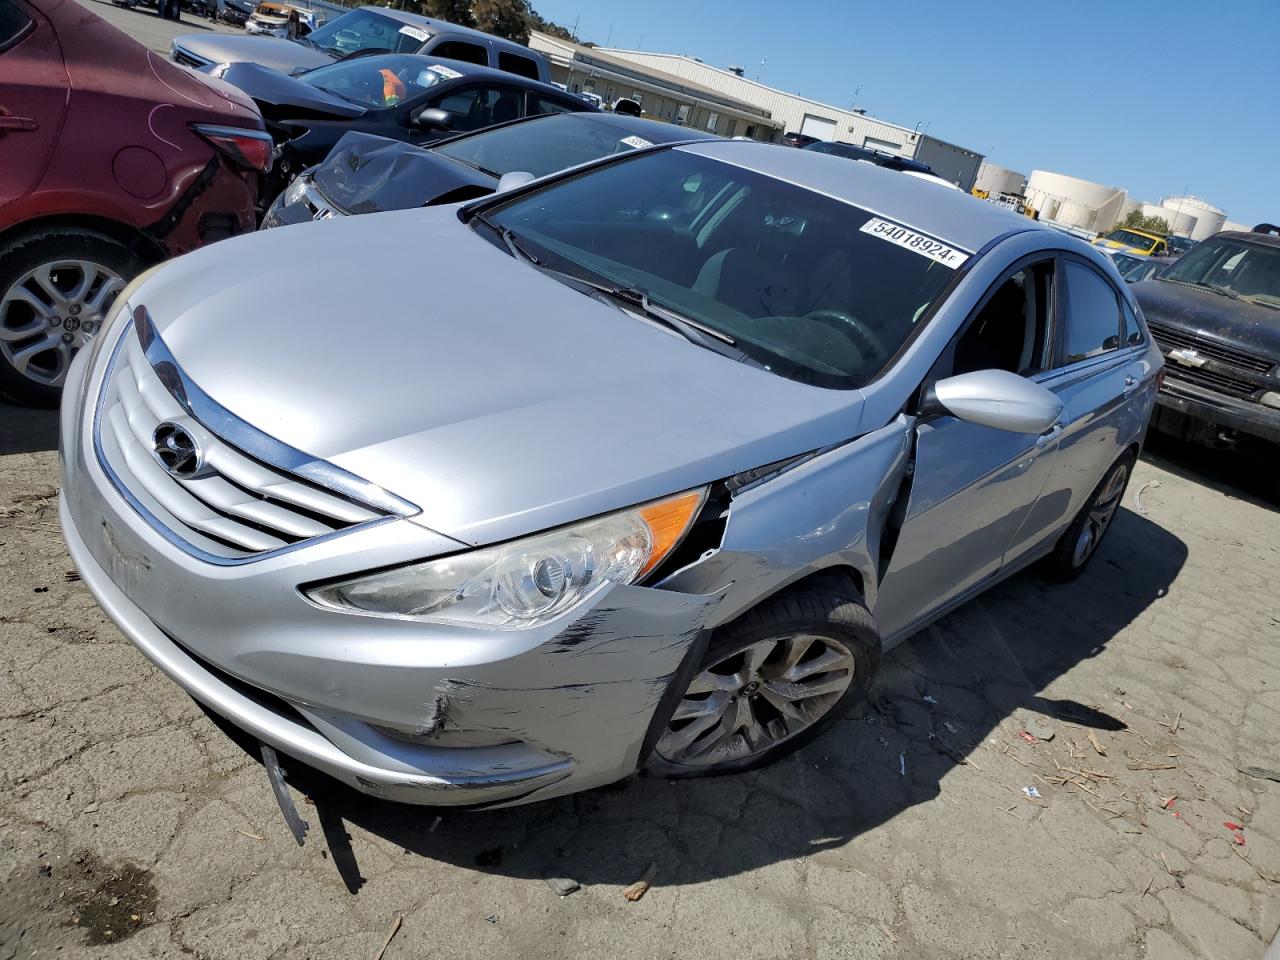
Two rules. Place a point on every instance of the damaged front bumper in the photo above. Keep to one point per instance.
(408, 711)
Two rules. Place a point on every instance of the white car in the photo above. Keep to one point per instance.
(265, 24)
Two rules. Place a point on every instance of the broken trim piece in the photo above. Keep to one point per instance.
(297, 826)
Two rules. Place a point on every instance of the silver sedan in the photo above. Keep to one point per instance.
(639, 466)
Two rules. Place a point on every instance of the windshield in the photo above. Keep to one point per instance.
(378, 81)
(1130, 239)
(366, 30)
(1180, 244)
(814, 289)
(1249, 270)
(544, 145)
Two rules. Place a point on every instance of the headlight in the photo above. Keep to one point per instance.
(296, 190)
(526, 582)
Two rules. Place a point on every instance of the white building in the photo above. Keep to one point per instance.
(799, 114)
(1208, 218)
(995, 179)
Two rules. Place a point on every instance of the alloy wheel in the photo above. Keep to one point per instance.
(51, 312)
(756, 698)
(1100, 515)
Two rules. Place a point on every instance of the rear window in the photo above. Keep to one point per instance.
(13, 24)
(520, 66)
(461, 50)
(542, 146)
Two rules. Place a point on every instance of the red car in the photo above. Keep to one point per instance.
(111, 160)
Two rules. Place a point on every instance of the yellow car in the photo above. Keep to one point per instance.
(1134, 241)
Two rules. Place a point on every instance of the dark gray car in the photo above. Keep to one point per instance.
(368, 174)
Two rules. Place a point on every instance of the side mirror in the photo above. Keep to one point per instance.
(996, 398)
(433, 118)
(513, 179)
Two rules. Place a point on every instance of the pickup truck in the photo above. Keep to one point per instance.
(1215, 314)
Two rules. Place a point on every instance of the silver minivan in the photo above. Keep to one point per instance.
(639, 466)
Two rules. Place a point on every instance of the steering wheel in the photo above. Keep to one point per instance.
(868, 342)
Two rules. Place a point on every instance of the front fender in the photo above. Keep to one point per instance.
(829, 511)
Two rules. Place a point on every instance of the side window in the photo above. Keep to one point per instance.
(482, 106)
(1010, 331)
(520, 66)
(536, 104)
(13, 24)
(1132, 330)
(1093, 315)
(461, 50)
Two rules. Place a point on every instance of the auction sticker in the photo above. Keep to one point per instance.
(420, 35)
(908, 239)
(636, 142)
(445, 72)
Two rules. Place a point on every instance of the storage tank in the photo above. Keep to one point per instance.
(996, 179)
(1050, 192)
(1181, 224)
(1233, 225)
(1072, 213)
(1209, 219)
(1129, 206)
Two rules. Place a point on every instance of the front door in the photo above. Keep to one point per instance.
(973, 487)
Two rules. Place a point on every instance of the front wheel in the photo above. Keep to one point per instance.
(1079, 542)
(769, 683)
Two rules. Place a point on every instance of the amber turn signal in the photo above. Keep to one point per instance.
(669, 520)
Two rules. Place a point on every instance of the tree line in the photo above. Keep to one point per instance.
(511, 19)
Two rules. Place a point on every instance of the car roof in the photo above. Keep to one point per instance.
(1143, 233)
(950, 215)
(659, 131)
(1267, 239)
(444, 26)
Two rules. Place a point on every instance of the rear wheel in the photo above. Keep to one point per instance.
(1080, 541)
(769, 683)
(55, 290)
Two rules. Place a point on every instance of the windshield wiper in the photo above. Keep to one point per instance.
(631, 297)
(1217, 289)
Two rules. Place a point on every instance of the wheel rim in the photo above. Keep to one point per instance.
(1100, 515)
(51, 312)
(757, 698)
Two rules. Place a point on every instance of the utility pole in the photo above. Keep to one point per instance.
(761, 70)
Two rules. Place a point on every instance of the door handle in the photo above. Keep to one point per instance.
(16, 124)
(1053, 433)
(1130, 385)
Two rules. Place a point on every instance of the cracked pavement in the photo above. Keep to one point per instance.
(132, 825)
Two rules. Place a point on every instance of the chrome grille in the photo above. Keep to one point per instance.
(186, 59)
(1201, 377)
(236, 507)
(1170, 338)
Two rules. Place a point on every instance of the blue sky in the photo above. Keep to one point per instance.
(1151, 96)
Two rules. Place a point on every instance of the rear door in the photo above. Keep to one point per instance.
(1099, 364)
(34, 89)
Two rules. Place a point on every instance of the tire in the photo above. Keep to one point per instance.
(837, 628)
(50, 281)
(1072, 553)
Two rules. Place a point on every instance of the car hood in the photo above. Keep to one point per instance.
(365, 174)
(277, 94)
(274, 52)
(412, 352)
(1245, 326)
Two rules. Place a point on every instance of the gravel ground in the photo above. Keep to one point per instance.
(143, 25)
(133, 826)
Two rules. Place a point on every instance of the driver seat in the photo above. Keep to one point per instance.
(752, 282)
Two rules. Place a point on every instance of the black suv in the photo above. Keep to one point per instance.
(1216, 315)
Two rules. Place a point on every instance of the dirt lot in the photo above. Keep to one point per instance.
(132, 826)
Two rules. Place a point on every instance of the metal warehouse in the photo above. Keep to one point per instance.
(662, 96)
(798, 114)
